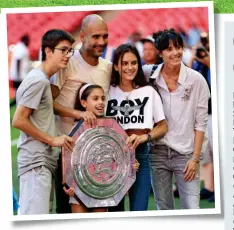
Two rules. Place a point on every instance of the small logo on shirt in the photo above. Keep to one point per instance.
(127, 108)
(187, 91)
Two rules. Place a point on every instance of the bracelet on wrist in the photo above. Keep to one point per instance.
(195, 159)
(149, 137)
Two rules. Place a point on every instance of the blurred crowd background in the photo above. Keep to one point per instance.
(135, 26)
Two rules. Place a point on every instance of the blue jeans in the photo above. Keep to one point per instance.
(140, 191)
(165, 162)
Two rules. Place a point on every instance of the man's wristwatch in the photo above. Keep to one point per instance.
(149, 138)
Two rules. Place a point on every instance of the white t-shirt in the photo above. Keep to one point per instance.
(69, 80)
(138, 109)
(20, 52)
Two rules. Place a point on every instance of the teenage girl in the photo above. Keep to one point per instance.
(137, 107)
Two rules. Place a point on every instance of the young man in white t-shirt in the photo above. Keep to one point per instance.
(85, 66)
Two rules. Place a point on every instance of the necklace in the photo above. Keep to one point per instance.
(169, 80)
(127, 97)
(128, 94)
(172, 81)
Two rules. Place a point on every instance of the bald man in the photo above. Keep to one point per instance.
(86, 65)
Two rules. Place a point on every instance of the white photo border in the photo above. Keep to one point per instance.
(209, 4)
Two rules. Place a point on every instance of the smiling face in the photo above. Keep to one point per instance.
(95, 39)
(172, 55)
(127, 67)
(95, 102)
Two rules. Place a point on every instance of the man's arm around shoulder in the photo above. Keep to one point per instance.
(69, 112)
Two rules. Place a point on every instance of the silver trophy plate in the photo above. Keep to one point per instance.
(100, 166)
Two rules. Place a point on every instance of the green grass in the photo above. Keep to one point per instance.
(152, 205)
(220, 6)
(15, 181)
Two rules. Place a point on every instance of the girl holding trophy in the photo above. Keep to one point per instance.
(89, 98)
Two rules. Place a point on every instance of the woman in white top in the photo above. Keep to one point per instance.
(184, 94)
(137, 107)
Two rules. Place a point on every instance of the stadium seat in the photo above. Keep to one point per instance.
(36, 24)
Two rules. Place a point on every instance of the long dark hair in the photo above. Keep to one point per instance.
(139, 80)
(163, 38)
(84, 95)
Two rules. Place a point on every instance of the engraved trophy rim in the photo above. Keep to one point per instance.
(100, 164)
